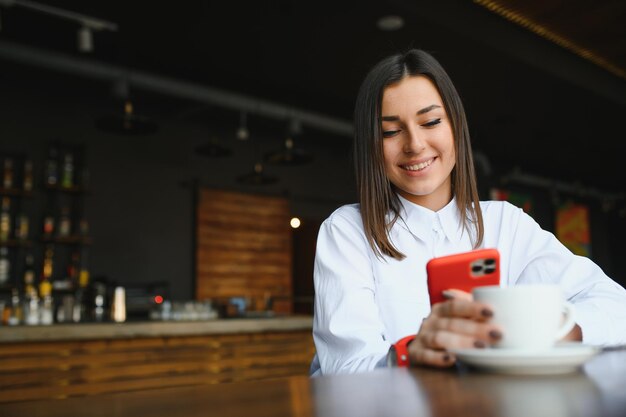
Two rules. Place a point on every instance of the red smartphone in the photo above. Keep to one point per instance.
(462, 271)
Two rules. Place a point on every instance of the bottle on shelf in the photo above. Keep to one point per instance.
(29, 270)
(73, 267)
(99, 300)
(31, 306)
(52, 167)
(65, 223)
(67, 177)
(48, 266)
(21, 227)
(48, 226)
(7, 176)
(46, 311)
(5, 219)
(15, 315)
(5, 265)
(27, 183)
(83, 228)
(118, 307)
(78, 313)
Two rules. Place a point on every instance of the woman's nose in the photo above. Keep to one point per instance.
(413, 143)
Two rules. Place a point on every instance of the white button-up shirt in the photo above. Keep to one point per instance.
(363, 304)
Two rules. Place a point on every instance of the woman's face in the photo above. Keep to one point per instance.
(418, 144)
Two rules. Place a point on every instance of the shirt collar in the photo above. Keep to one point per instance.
(421, 221)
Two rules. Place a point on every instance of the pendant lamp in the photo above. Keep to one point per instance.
(127, 122)
(289, 154)
(257, 177)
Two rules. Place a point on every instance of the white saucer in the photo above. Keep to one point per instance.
(561, 359)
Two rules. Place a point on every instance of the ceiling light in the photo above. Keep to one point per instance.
(242, 131)
(88, 24)
(390, 23)
(85, 39)
(294, 222)
(257, 177)
(127, 123)
(290, 155)
(213, 149)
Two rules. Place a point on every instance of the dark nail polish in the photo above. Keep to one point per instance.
(480, 344)
(494, 334)
(486, 312)
(446, 358)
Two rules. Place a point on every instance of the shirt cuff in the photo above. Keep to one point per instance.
(595, 330)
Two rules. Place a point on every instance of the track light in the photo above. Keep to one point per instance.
(88, 24)
(242, 132)
(85, 39)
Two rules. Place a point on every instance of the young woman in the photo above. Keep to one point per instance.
(418, 200)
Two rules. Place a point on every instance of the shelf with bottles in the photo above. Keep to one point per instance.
(62, 229)
(16, 175)
(16, 183)
(65, 169)
(17, 269)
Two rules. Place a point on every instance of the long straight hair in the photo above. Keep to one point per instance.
(380, 205)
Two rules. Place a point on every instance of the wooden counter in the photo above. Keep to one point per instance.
(84, 331)
(60, 361)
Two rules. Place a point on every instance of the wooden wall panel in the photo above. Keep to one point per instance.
(243, 247)
(30, 371)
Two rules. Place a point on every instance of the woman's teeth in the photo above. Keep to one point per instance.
(418, 167)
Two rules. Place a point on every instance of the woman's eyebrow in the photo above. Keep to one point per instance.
(427, 109)
(419, 112)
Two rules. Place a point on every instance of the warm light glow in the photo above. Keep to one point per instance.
(295, 222)
(158, 299)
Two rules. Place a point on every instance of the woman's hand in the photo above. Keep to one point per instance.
(459, 323)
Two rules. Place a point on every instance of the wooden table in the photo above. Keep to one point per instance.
(599, 389)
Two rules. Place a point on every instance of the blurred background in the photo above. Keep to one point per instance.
(166, 148)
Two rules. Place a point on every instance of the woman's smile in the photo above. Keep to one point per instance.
(418, 166)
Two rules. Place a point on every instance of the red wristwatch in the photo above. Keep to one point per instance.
(399, 354)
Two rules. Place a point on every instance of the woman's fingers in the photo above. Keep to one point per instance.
(457, 294)
(459, 323)
(477, 330)
(462, 308)
(423, 356)
(442, 339)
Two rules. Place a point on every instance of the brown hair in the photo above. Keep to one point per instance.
(376, 193)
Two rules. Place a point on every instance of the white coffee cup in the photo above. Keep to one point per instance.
(532, 317)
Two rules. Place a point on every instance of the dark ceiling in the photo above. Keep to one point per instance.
(531, 104)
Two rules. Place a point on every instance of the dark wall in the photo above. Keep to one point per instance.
(140, 200)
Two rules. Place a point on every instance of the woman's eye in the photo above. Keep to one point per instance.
(432, 123)
(389, 133)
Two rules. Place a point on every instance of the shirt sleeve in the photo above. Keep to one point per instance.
(347, 328)
(537, 256)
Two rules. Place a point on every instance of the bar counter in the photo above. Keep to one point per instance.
(85, 331)
(61, 361)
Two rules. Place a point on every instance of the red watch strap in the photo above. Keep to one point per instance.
(402, 352)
